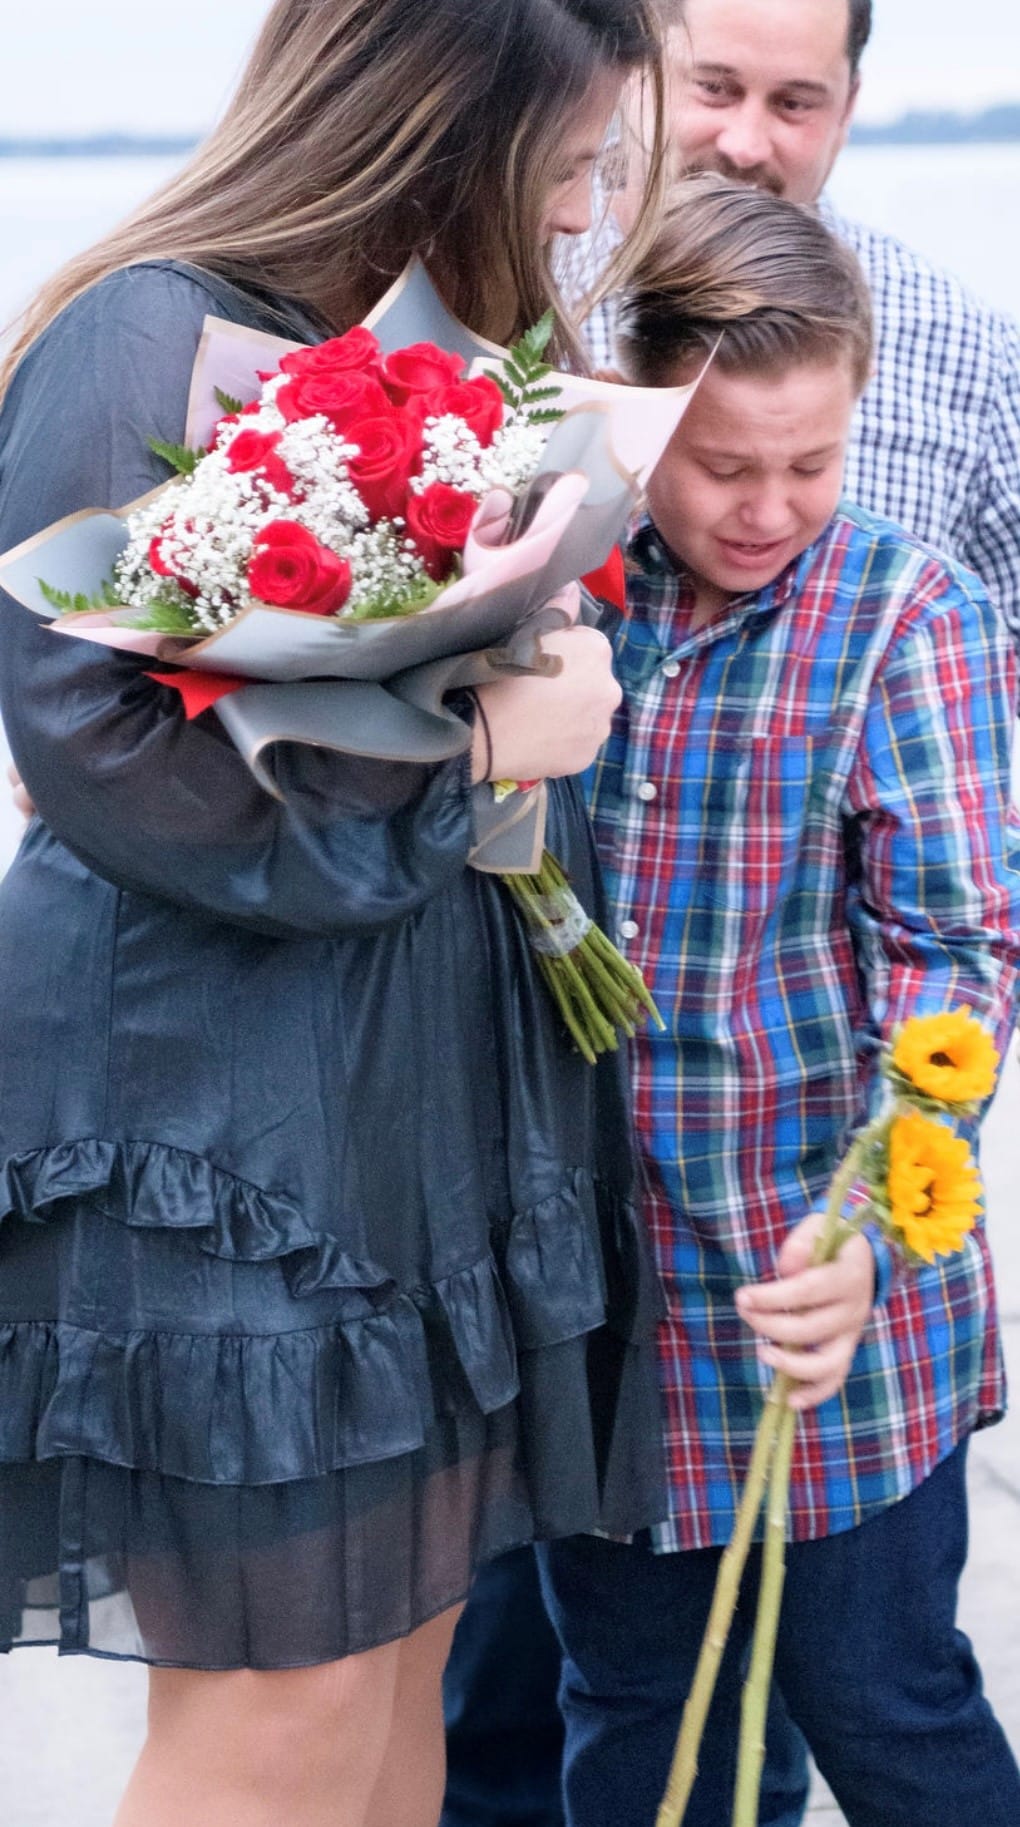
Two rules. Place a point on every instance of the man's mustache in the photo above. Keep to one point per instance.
(758, 176)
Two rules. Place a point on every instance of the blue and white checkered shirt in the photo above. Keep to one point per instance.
(936, 440)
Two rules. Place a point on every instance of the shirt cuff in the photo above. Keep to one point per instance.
(886, 1261)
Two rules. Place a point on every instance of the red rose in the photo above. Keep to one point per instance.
(479, 403)
(255, 451)
(291, 570)
(340, 396)
(439, 521)
(156, 560)
(163, 566)
(357, 351)
(420, 368)
(389, 446)
(221, 427)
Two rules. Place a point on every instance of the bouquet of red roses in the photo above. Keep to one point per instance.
(334, 520)
(348, 487)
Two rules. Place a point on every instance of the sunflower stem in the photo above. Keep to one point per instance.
(833, 1235)
(724, 1603)
(755, 1703)
(777, 1421)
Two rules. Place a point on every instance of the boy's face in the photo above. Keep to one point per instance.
(753, 474)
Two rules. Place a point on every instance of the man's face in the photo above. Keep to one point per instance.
(753, 474)
(762, 91)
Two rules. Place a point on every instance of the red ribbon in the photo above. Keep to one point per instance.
(200, 690)
(609, 581)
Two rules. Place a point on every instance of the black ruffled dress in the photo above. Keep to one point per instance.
(320, 1279)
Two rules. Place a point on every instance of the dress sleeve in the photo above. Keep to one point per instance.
(147, 800)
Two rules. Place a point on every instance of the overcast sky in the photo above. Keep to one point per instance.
(166, 65)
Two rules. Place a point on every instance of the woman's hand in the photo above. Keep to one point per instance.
(542, 727)
(19, 795)
(810, 1320)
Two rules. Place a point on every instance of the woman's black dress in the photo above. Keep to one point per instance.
(320, 1279)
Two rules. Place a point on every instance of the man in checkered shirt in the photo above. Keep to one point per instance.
(759, 97)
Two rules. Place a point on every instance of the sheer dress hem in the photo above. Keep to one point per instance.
(287, 1497)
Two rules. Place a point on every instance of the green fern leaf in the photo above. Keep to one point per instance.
(167, 617)
(517, 373)
(534, 343)
(510, 394)
(524, 369)
(179, 457)
(76, 602)
(227, 401)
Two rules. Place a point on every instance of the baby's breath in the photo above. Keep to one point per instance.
(453, 454)
(386, 568)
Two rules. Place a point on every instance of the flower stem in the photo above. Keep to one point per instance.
(567, 1015)
(759, 1680)
(773, 1441)
(724, 1603)
(829, 1242)
(598, 993)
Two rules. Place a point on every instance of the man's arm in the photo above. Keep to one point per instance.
(992, 542)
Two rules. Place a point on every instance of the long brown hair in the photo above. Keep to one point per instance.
(365, 131)
(760, 280)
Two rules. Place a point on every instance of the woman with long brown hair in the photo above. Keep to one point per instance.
(319, 1276)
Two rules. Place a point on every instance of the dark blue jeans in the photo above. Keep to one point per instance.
(869, 1660)
(504, 1729)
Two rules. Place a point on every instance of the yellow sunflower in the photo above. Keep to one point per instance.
(934, 1186)
(950, 1057)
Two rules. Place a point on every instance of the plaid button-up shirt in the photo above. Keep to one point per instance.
(803, 816)
(935, 443)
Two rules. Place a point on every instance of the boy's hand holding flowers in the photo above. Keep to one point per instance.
(811, 1319)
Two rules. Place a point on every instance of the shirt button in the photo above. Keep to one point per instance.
(648, 791)
(629, 929)
(670, 668)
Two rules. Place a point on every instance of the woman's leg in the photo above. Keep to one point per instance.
(410, 1784)
(248, 1749)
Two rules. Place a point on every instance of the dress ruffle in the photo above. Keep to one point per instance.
(230, 1408)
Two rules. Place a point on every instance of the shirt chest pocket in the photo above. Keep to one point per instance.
(762, 802)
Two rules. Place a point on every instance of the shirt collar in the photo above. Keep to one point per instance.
(648, 548)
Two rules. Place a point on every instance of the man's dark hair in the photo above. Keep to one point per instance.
(860, 32)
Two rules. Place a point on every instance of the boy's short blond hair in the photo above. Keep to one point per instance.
(761, 277)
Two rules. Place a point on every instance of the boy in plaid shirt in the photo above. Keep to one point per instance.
(803, 815)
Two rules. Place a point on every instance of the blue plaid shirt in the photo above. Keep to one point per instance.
(936, 440)
(802, 814)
